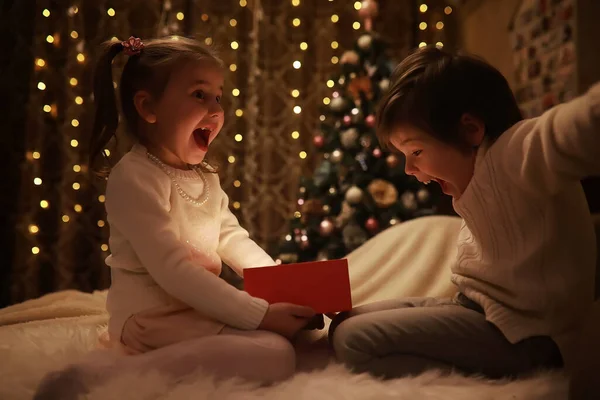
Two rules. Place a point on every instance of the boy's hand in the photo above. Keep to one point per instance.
(286, 319)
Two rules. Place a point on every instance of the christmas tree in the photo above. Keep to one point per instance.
(358, 189)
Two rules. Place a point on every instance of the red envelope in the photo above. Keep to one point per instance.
(322, 285)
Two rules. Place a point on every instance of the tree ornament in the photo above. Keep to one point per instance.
(383, 193)
(326, 227)
(337, 155)
(338, 104)
(349, 138)
(318, 141)
(354, 195)
(370, 120)
(368, 11)
(377, 152)
(347, 119)
(350, 57)
(384, 84)
(366, 141)
(372, 225)
(423, 195)
(409, 200)
(392, 161)
(365, 41)
(354, 236)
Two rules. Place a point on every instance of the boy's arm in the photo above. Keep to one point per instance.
(236, 248)
(559, 147)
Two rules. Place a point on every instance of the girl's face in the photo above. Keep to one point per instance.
(429, 159)
(188, 116)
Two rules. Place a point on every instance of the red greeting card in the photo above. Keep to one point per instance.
(322, 285)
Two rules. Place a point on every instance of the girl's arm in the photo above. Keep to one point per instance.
(236, 248)
(559, 147)
(137, 202)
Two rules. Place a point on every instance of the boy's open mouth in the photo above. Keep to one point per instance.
(202, 138)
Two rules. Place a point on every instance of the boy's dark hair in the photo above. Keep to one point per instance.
(431, 89)
(149, 70)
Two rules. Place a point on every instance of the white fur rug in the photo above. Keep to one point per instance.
(29, 351)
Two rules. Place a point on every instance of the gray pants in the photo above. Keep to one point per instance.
(403, 337)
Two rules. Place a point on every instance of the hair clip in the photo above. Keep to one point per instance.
(132, 46)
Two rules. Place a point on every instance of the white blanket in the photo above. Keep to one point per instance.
(411, 259)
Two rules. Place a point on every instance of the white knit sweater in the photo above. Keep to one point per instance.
(165, 250)
(527, 249)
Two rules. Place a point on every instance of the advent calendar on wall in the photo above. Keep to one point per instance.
(543, 34)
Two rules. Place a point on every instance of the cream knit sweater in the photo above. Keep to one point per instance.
(527, 250)
(166, 250)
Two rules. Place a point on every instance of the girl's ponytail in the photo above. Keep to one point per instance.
(106, 117)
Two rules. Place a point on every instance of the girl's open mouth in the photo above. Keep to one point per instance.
(202, 138)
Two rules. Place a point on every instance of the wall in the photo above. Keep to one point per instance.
(484, 31)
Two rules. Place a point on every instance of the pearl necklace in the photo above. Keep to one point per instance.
(186, 196)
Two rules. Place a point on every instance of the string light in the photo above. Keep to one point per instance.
(35, 250)
(36, 155)
(231, 159)
(234, 45)
(334, 60)
(439, 25)
(303, 46)
(302, 155)
(237, 183)
(326, 100)
(50, 39)
(104, 247)
(73, 81)
(334, 45)
(295, 3)
(111, 12)
(74, 34)
(422, 44)
(33, 229)
(243, 3)
(47, 108)
(76, 168)
(74, 143)
(356, 25)
(37, 181)
(180, 16)
(76, 186)
(448, 10)
(423, 8)
(357, 5)
(80, 57)
(78, 208)
(79, 100)
(100, 224)
(239, 112)
(208, 41)
(439, 45)
(295, 135)
(423, 26)
(44, 204)
(75, 123)
(297, 109)
(238, 138)
(41, 86)
(330, 83)
(235, 92)
(46, 13)
(40, 62)
(296, 22)
(232, 22)
(204, 17)
(295, 93)
(233, 67)
(297, 64)
(101, 198)
(65, 218)
(335, 18)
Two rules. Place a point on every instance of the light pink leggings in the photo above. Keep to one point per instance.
(254, 355)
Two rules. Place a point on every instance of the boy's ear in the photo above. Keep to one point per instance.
(144, 104)
(472, 129)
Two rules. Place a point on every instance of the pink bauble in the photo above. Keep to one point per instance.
(377, 152)
(372, 225)
(370, 120)
(326, 227)
(319, 141)
(347, 119)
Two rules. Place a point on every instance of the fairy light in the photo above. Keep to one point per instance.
(111, 12)
(44, 204)
(50, 39)
(235, 45)
(78, 208)
(76, 186)
(37, 181)
(235, 92)
(33, 229)
(357, 5)
(46, 13)
(239, 112)
(334, 60)
(74, 34)
(302, 155)
(41, 86)
(326, 100)
(448, 10)
(423, 26)
(101, 224)
(231, 159)
(35, 250)
(238, 138)
(334, 45)
(439, 25)
(36, 155)
(423, 8)
(101, 198)
(65, 218)
(295, 93)
(295, 135)
(75, 123)
(297, 64)
(439, 45)
(80, 57)
(422, 44)
(296, 22)
(180, 16)
(295, 3)
(243, 3)
(335, 18)
(73, 81)
(356, 25)
(297, 109)
(237, 183)
(47, 108)
(233, 22)
(40, 62)
(233, 67)
(74, 143)
(208, 41)
(303, 46)
(79, 100)
(76, 168)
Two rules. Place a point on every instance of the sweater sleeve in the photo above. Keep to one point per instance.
(559, 147)
(137, 203)
(236, 248)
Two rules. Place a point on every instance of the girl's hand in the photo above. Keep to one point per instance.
(286, 319)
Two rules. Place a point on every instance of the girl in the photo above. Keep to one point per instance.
(526, 249)
(170, 224)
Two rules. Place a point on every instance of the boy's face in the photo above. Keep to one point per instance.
(430, 159)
